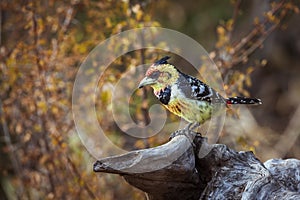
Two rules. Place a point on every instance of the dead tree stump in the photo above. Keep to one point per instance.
(184, 171)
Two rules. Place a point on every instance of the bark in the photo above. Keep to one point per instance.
(187, 167)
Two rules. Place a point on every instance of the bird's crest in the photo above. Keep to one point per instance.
(153, 67)
(162, 60)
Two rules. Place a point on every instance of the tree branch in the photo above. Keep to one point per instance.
(180, 170)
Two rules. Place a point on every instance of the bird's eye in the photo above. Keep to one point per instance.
(154, 74)
(168, 75)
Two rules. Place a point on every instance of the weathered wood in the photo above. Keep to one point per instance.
(180, 170)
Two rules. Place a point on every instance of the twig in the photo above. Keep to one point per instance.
(244, 54)
(234, 17)
(12, 155)
(242, 49)
(256, 31)
(68, 19)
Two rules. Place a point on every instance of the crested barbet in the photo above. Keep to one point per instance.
(184, 95)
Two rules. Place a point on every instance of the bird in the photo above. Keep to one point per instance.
(185, 95)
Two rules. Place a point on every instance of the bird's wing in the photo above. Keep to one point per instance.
(195, 89)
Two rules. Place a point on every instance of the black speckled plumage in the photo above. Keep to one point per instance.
(165, 95)
(194, 88)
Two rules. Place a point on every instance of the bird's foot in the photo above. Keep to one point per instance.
(187, 133)
(192, 126)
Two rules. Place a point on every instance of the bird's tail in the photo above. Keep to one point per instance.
(243, 100)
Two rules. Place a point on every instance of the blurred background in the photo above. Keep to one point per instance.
(255, 44)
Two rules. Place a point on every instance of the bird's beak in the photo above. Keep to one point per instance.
(146, 81)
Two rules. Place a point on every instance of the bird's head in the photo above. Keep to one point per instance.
(160, 75)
